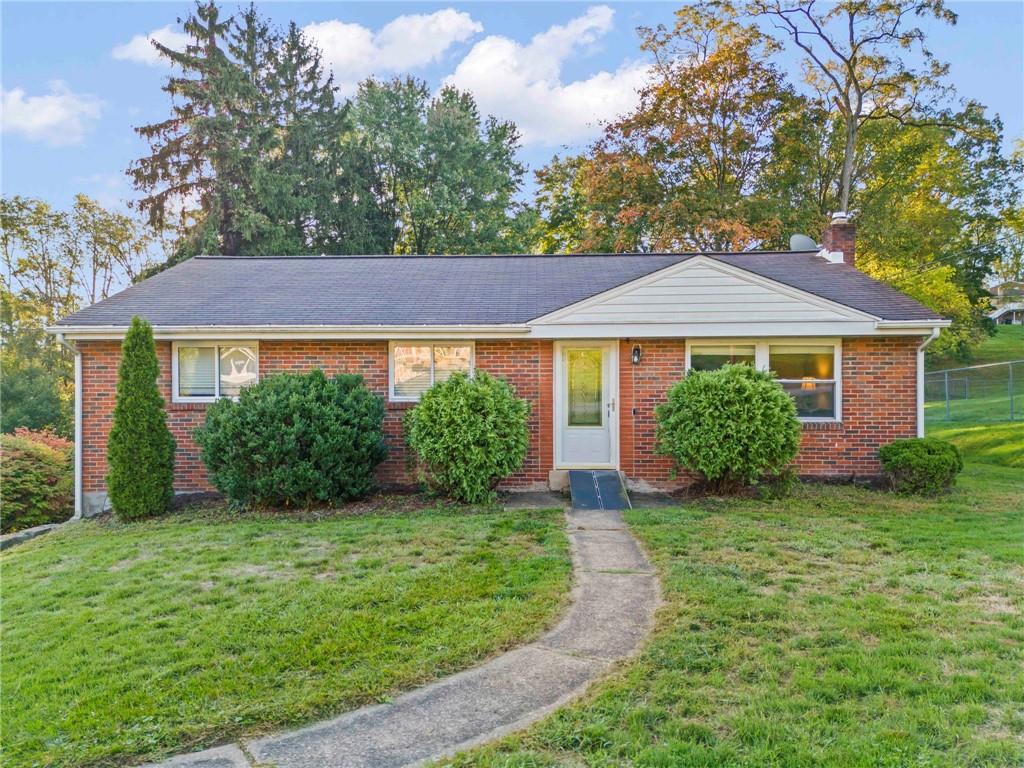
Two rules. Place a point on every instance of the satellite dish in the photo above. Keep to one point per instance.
(802, 243)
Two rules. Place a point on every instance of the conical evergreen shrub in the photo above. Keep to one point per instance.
(140, 449)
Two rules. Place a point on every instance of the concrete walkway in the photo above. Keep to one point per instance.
(613, 602)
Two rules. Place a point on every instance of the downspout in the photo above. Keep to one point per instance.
(78, 423)
(920, 379)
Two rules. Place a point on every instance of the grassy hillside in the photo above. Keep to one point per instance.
(979, 409)
(1007, 344)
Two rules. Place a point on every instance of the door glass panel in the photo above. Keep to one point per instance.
(584, 387)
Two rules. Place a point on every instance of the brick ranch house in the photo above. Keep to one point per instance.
(592, 341)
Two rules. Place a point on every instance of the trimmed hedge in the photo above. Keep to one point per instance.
(468, 434)
(37, 480)
(734, 425)
(295, 440)
(921, 465)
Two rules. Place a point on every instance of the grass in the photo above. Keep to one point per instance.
(979, 424)
(127, 642)
(1001, 444)
(1006, 344)
(841, 627)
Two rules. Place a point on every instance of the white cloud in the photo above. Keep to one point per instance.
(141, 50)
(59, 118)
(523, 82)
(354, 52)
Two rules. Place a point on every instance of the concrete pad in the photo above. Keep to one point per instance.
(9, 540)
(611, 615)
(608, 551)
(439, 719)
(228, 756)
(595, 519)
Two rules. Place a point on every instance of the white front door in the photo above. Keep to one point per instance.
(586, 419)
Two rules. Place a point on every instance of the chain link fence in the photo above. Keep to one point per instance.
(976, 393)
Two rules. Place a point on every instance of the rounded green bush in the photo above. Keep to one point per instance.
(295, 440)
(38, 483)
(734, 425)
(468, 433)
(924, 465)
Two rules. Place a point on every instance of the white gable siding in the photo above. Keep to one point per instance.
(702, 292)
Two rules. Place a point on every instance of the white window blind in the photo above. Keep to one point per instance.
(209, 371)
(197, 375)
(416, 367)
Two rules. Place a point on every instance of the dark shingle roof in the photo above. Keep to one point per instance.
(439, 290)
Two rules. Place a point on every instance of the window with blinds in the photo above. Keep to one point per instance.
(203, 372)
(417, 366)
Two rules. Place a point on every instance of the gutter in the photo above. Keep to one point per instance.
(256, 332)
(920, 378)
(78, 423)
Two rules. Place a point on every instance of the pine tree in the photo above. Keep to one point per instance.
(140, 449)
(254, 142)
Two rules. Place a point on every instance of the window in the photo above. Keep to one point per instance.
(585, 369)
(202, 372)
(807, 373)
(807, 369)
(710, 357)
(416, 366)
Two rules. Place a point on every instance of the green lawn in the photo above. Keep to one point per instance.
(979, 424)
(1001, 443)
(1007, 344)
(127, 642)
(842, 627)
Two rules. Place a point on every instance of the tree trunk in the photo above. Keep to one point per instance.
(848, 155)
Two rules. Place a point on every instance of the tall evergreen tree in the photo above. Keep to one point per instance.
(140, 448)
(252, 155)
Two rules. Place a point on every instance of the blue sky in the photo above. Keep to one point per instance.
(77, 77)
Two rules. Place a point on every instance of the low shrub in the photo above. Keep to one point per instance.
(922, 465)
(295, 440)
(37, 483)
(45, 436)
(468, 433)
(733, 425)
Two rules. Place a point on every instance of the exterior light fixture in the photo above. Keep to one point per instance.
(637, 354)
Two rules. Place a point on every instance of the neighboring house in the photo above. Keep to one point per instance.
(592, 341)
(1008, 300)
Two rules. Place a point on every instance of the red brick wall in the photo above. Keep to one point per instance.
(879, 404)
(99, 380)
(641, 389)
(524, 364)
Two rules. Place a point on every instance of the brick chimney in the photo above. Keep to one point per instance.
(841, 236)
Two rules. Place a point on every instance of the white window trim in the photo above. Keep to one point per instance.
(176, 398)
(761, 347)
(424, 343)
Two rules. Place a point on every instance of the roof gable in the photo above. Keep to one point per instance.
(703, 290)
